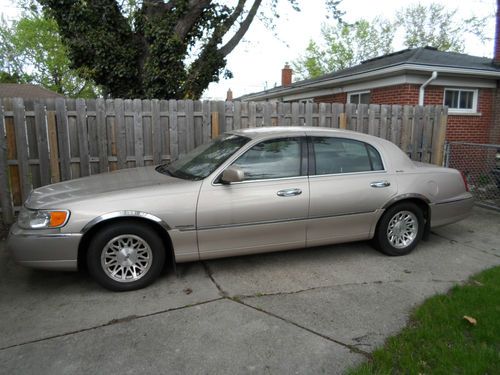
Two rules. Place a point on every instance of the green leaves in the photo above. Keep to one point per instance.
(345, 45)
(32, 52)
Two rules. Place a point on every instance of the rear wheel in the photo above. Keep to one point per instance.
(400, 229)
(126, 256)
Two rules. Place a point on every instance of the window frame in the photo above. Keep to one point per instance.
(312, 158)
(304, 170)
(475, 95)
(349, 94)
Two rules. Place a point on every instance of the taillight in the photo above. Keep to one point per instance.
(464, 178)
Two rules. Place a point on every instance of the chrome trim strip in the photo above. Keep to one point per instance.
(47, 235)
(124, 214)
(453, 201)
(261, 180)
(223, 226)
(406, 196)
(346, 174)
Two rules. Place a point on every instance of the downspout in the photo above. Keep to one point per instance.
(421, 92)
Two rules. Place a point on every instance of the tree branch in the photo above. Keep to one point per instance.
(186, 23)
(233, 42)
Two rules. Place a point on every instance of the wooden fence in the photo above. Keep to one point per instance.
(47, 141)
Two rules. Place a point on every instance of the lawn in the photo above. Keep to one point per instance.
(438, 340)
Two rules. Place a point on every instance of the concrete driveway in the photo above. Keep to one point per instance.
(310, 311)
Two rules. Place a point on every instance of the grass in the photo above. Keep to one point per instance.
(438, 340)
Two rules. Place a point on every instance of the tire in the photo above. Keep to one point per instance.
(395, 240)
(125, 256)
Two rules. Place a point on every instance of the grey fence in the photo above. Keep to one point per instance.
(480, 163)
(47, 141)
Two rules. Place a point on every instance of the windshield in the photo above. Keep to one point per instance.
(203, 160)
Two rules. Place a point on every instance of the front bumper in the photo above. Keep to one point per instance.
(44, 249)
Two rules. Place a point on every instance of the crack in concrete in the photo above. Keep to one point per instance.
(112, 322)
(466, 244)
(352, 348)
(396, 281)
(210, 275)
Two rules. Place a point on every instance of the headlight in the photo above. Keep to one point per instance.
(42, 219)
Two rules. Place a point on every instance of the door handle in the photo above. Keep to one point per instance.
(289, 192)
(380, 184)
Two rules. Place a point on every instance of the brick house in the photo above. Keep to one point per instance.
(466, 84)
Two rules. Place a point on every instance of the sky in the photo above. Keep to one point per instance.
(257, 61)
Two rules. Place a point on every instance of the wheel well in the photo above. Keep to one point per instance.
(426, 211)
(85, 241)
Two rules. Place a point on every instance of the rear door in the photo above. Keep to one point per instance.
(348, 186)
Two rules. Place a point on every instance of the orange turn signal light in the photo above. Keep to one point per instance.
(57, 218)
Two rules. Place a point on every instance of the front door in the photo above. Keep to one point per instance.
(267, 211)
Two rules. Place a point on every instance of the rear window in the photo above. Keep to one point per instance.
(340, 155)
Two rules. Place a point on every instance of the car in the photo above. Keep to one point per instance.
(247, 191)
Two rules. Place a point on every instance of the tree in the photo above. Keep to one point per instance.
(155, 48)
(32, 52)
(346, 45)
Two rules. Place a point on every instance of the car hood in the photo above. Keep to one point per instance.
(52, 196)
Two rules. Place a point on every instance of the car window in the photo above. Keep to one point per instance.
(204, 159)
(276, 158)
(340, 155)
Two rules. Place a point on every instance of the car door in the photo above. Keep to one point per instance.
(348, 186)
(267, 211)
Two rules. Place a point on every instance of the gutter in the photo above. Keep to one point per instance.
(421, 92)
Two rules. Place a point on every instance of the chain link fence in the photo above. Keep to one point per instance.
(480, 164)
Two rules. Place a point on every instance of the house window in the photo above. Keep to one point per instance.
(361, 97)
(461, 100)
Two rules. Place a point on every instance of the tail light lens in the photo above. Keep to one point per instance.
(464, 178)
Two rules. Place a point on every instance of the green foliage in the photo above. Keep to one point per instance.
(345, 45)
(440, 341)
(32, 52)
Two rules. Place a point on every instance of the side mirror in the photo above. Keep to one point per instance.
(233, 174)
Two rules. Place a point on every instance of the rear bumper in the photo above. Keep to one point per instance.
(451, 211)
(51, 251)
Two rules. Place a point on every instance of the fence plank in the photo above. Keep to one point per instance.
(174, 138)
(157, 143)
(309, 114)
(429, 115)
(121, 134)
(63, 139)
(189, 124)
(439, 135)
(373, 111)
(207, 121)
(43, 143)
(237, 115)
(5, 193)
(102, 140)
(22, 146)
(396, 124)
(138, 134)
(83, 140)
(338, 115)
(55, 175)
(384, 114)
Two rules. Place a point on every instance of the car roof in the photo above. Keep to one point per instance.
(263, 132)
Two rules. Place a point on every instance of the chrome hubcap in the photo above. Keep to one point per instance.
(126, 258)
(402, 229)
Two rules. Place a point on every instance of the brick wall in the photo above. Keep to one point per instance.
(398, 94)
(468, 128)
(336, 98)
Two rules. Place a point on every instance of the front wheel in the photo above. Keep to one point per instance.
(125, 256)
(400, 229)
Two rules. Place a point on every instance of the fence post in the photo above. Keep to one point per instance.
(215, 124)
